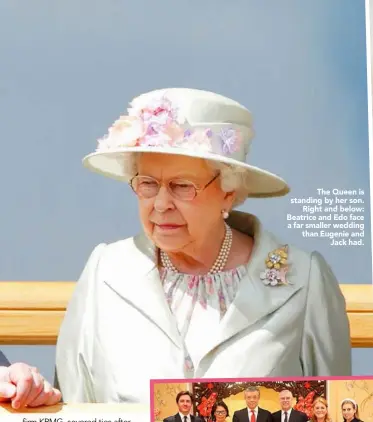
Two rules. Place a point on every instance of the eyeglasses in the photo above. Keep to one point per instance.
(185, 190)
(220, 412)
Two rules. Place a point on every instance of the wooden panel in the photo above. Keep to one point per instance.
(23, 295)
(361, 329)
(31, 312)
(359, 297)
(31, 327)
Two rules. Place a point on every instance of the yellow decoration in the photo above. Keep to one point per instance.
(277, 267)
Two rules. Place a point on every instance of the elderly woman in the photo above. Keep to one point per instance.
(205, 291)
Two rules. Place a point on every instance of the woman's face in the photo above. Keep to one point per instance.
(320, 410)
(348, 411)
(175, 224)
(220, 414)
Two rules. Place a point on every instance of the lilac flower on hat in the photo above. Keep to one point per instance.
(231, 140)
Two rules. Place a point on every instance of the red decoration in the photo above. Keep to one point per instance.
(210, 385)
(307, 385)
(305, 404)
(204, 408)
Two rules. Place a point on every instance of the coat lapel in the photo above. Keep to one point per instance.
(246, 414)
(138, 283)
(259, 418)
(254, 300)
(260, 415)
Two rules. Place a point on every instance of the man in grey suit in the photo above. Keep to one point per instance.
(252, 413)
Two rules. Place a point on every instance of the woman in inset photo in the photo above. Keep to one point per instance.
(219, 412)
(320, 410)
(350, 411)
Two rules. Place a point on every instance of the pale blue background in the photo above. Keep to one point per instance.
(68, 69)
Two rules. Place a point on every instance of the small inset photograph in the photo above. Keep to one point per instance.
(263, 400)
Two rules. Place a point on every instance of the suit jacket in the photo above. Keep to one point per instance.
(295, 416)
(118, 332)
(177, 418)
(243, 415)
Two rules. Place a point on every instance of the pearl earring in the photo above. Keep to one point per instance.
(225, 214)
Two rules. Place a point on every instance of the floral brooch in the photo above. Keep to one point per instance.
(277, 268)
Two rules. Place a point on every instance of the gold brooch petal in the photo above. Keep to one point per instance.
(277, 268)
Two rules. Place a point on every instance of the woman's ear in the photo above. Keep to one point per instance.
(229, 200)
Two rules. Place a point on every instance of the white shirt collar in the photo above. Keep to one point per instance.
(182, 417)
(255, 411)
(288, 412)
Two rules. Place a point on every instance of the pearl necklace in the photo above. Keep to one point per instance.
(220, 262)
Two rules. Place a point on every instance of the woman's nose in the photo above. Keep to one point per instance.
(163, 200)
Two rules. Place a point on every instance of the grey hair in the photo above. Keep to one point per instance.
(252, 389)
(232, 178)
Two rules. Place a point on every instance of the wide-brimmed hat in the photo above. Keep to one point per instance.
(188, 122)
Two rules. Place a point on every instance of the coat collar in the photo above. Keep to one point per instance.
(129, 268)
(254, 300)
(138, 282)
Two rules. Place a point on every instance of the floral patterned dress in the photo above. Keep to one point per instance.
(198, 304)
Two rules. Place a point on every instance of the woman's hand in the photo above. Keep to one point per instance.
(23, 385)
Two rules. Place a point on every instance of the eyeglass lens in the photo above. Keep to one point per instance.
(147, 187)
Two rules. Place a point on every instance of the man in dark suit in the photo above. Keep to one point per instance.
(184, 401)
(287, 413)
(252, 412)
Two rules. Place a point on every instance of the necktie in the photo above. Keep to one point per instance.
(252, 419)
(286, 417)
(185, 418)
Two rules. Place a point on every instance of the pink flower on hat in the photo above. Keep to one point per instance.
(199, 139)
(169, 135)
(161, 119)
(125, 132)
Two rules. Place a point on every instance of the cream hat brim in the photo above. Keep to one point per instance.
(111, 164)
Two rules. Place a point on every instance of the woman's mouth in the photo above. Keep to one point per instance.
(168, 226)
